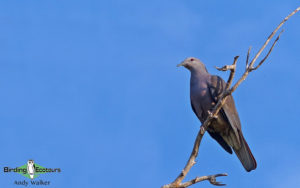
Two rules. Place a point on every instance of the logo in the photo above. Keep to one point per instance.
(31, 170)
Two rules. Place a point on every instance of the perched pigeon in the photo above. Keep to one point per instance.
(205, 91)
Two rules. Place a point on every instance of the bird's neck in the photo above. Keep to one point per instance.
(198, 76)
(199, 73)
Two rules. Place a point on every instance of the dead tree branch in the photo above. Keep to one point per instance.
(177, 183)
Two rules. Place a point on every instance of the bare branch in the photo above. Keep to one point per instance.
(225, 68)
(191, 160)
(263, 60)
(232, 72)
(271, 36)
(210, 178)
(214, 113)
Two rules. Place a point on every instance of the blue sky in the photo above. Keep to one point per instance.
(92, 87)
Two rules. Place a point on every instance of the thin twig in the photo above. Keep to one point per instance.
(263, 60)
(211, 178)
(232, 72)
(271, 36)
(248, 55)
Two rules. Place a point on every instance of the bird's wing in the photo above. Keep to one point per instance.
(216, 136)
(216, 87)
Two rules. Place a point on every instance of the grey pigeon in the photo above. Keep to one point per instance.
(205, 91)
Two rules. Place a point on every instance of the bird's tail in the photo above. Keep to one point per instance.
(245, 155)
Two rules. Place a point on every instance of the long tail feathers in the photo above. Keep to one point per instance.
(245, 156)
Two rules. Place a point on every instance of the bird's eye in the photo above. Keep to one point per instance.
(192, 59)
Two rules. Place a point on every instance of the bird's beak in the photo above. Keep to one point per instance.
(181, 64)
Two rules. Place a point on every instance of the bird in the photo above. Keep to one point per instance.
(31, 168)
(205, 91)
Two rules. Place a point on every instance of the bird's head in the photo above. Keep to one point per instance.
(193, 64)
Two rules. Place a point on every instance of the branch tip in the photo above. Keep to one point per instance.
(248, 55)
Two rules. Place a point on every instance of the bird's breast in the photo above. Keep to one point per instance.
(201, 100)
(199, 89)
